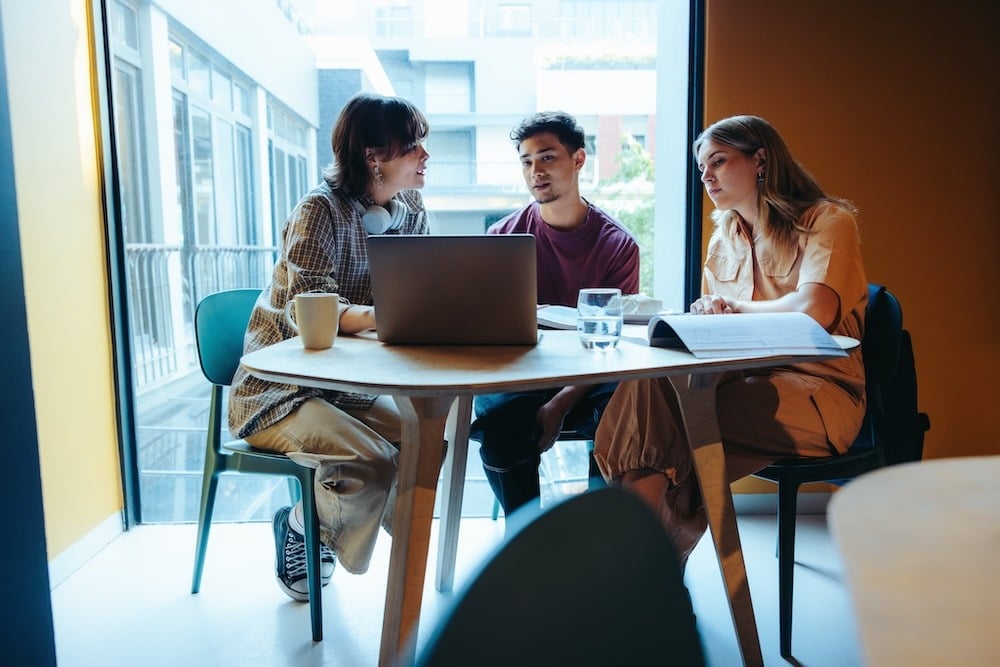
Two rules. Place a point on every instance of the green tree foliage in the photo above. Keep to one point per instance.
(629, 197)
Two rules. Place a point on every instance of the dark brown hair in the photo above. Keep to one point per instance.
(392, 126)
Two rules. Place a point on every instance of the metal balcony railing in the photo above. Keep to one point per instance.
(165, 283)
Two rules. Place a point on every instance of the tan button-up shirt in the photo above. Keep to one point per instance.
(830, 254)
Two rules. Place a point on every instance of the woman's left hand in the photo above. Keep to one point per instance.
(712, 304)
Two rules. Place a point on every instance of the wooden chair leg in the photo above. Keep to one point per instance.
(453, 491)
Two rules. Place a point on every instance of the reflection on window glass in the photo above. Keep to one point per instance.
(214, 157)
(280, 184)
(177, 71)
(128, 109)
(199, 75)
(124, 26)
(514, 20)
(393, 18)
(242, 99)
(222, 89)
(204, 191)
(246, 227)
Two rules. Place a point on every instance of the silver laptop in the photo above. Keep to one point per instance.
(454, 289)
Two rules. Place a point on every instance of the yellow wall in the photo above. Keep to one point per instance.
(895, 106)
(48, 54)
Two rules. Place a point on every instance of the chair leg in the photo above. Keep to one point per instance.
(595, 480)
(310, 519)
(787, 501)
(209, 485)
(293, 491)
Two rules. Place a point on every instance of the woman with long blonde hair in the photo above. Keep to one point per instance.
(779, 244)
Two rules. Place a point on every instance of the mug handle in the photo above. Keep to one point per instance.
(288, 315)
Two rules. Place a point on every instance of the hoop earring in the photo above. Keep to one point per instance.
(377, 174)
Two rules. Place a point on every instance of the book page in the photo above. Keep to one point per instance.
(743, 334)
(557, 317)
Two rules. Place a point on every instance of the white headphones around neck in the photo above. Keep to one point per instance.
(378, 219)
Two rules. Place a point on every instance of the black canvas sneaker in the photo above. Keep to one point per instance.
(290, 558)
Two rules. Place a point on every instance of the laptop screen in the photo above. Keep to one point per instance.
(454, 289)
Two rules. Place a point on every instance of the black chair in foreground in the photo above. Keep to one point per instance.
(594, 580)
(883, 337)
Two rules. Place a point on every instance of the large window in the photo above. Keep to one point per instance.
(218, 139)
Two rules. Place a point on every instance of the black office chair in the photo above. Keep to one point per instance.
(880, 348)
(594, 580)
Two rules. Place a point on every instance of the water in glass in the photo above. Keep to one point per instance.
(599, 318)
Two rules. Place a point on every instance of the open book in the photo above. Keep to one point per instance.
(743, 335)
(564, 317)
(557, 317)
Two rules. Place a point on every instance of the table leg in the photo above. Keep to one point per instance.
(419, 466)
(696, 395)
(454, 490)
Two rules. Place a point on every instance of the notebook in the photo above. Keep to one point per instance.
(454, 289)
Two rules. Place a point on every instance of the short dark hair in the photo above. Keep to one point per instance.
(390, 125)
(564, 126)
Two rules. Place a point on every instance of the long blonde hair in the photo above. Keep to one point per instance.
(787, 189)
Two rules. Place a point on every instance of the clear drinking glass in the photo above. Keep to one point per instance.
(599, 318)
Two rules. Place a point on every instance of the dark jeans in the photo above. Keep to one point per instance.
(506, 429)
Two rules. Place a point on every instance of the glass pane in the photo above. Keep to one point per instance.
(177, 71)
(246, 226)
(199, 75)
(132, 177)
(222, 89)
(248, 133)
(204, 177)
(124, 26)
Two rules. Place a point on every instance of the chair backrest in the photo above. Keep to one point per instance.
(220, 324)
(594, 580)
(883, 332)
(880, 350)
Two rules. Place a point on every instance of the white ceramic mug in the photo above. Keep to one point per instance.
(317, 318)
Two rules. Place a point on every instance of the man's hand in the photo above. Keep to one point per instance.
(549, 418)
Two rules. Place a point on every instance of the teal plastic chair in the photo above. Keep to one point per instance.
(220, 323)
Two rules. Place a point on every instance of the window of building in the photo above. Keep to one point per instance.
(513, 20)
(393, 18)
(608, 19)
(449, 87)
(216, 144)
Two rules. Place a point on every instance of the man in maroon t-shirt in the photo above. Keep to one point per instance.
(578, 246)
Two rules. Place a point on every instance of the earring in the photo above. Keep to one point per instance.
(760, 178)
(377, 173)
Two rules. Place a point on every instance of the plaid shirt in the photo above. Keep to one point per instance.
(322, 250)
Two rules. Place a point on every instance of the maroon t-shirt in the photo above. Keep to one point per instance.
(598, 253)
